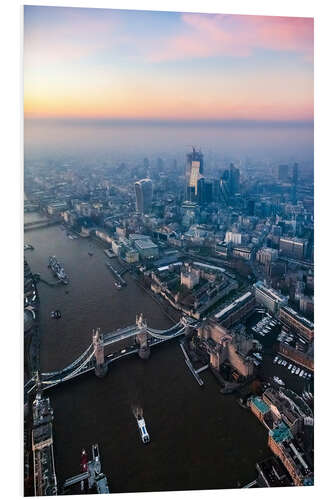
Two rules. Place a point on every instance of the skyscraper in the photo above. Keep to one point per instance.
(283, 172)
(295, 173)
(193, 174)
(234, 179)
(294, 181)
(144, 195)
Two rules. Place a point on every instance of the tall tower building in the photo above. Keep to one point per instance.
(295, 173)
(144, 195)
(283, 172)
(234, 179)
(295, 181)
(193, 174)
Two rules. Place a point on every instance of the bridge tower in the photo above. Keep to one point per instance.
(142, 337)
(100, 367)
(188, 328)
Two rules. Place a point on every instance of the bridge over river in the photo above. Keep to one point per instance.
(28, 226)
(95, 357)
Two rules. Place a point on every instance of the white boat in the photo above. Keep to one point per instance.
(293, 369)
(275, 359)
(280, 361)
(290, 366)
(142, 428)
(278, 381)
(257, 355)
(301, 373)
(297, 371)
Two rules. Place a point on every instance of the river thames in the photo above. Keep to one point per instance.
(200, 439)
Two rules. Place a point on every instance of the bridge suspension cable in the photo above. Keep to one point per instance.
(173, 327)
(161, 336)
(70, 375)
(76, 362)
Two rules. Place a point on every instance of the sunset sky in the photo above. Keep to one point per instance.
(112, 64)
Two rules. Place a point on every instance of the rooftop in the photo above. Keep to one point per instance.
(145, 244)
(233, 305)
(298, 317)
(280, 433)
(260, 404)
(274, 294)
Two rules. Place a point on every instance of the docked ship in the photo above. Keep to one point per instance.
(58, 270)
(84, 461)
(278, 381)
(142, 426)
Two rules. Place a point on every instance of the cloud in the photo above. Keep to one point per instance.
(207, 35)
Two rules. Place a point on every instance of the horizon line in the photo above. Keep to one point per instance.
(167, 121)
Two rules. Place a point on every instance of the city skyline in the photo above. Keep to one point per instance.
(98, 64)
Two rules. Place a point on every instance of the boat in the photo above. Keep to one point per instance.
(58, 270)
(278, 381)
(301, 373)
(90, 253)
(84, 461)
(297, 371)
(142, 428)
(293, 369)
(289, 366)
(275, 359)
(56, 314)
(280, 361)
(257, 355)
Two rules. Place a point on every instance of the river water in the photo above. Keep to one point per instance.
(199, 438)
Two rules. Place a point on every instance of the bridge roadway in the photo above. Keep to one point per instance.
(86, 361)
(41, 223)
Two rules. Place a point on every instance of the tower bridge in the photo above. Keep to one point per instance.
(94, 357)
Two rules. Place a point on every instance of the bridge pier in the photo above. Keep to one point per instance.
(188, 328)
(101, 367)
(142, 338)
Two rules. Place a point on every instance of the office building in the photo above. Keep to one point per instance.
(293, 247)
(296, 322)
(232, 237)
(237, 311)
(283, 173)
(266, 255)
(268, 297)
(193, 176)
(234, 177)
(144, 195)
